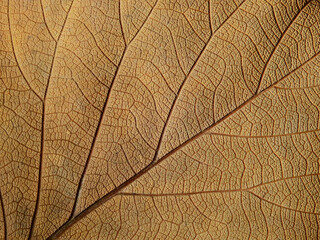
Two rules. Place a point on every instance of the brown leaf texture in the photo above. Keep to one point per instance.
(162, 119)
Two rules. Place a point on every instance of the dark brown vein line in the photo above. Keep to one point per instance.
(99, 126)
(284, 207)
(139, 132)
(209, 192)
(173, 43)
(121, 26)
(285, 179)
(245, 214)
(189, 23)
(158, 70)
(276, 20)
(42, 128)
(128, 162)
(18, 115)
(84, 95)
(4, 217)
(278, 44)
(210, 17)
(80, 60)
(45, 21)
(95, 41)
(154, 6)
(264, 136)
(241, 57)
(15, 56)
(298, 88)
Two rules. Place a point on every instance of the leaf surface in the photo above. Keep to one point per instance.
(159, 119)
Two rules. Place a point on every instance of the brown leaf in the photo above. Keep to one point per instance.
(162, 119)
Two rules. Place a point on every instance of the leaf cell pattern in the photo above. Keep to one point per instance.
(161, 119)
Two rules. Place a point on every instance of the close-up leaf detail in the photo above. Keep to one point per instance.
(159, 119)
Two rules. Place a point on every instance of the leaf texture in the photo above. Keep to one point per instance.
(162, 119)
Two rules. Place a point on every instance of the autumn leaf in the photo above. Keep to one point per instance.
(161, 119)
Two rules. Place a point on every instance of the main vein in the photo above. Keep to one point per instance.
(154, 163)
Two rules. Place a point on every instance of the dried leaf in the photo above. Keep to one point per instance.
(162, 119)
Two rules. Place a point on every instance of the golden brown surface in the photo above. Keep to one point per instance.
(162, 119)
